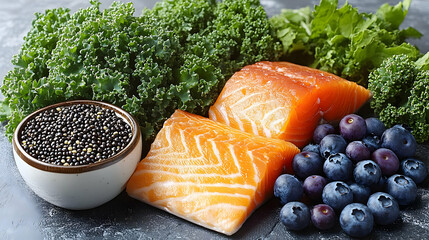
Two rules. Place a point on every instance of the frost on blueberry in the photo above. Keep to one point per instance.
(337, 195)
(356, 220)
(367, 173)
(402, 188)
(415, 169)
(384, 208)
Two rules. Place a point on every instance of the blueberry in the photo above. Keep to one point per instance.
(357, 151)
(356, 220)
(323, 217)
(402, 188)
(415, 169)
(367, 173)
(332, 144)
(384, 208)
(374, 126)
(313, 187)
(352, 127)
(311, 148)
(295, 216)
(305, 164)
(380, 186)
(360, 193)
(338, 167)
(399, 140)
(386, 160)
(337, 195)
(321, 131)
(372, 142)
(288, 188)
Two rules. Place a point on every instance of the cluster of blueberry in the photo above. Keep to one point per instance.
(353, 173)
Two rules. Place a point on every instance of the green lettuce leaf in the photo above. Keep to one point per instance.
(343, 40)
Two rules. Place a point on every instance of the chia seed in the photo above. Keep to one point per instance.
(75, 135)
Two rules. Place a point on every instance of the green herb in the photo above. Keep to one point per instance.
(401, 93)
(176, 55)
(342, 40)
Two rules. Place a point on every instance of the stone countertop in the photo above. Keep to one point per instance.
(23, 215)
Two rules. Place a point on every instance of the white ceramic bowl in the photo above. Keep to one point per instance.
(85, 186)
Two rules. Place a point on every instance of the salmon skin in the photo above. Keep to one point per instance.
(285, 101)
(209, 173)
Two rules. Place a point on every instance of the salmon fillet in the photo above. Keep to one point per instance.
(209, 173)
(285, 101)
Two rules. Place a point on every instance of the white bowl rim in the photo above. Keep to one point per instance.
(135, 129)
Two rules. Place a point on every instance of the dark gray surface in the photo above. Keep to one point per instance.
(23, 215)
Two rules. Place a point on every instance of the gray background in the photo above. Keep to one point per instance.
(24, 215)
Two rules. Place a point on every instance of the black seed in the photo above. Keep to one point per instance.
(49, 135)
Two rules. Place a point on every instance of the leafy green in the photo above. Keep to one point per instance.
(344, 41)
(176, 55)
(401, 94)
(423, 62)
(296, 35)
(389, 81)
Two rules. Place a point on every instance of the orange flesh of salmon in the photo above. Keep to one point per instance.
(285, 101)
(209, 173)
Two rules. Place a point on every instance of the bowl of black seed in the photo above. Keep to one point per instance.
(77, 154)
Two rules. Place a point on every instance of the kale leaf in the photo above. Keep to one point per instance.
(176, 55)
(401, 94)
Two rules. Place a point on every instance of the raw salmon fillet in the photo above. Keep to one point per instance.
(209, 173)
(285, 101)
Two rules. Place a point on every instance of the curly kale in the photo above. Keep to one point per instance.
(401, 95)
(389, 81)
(418, 107)
(215, 40)
(23, 85)
(177, 55)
